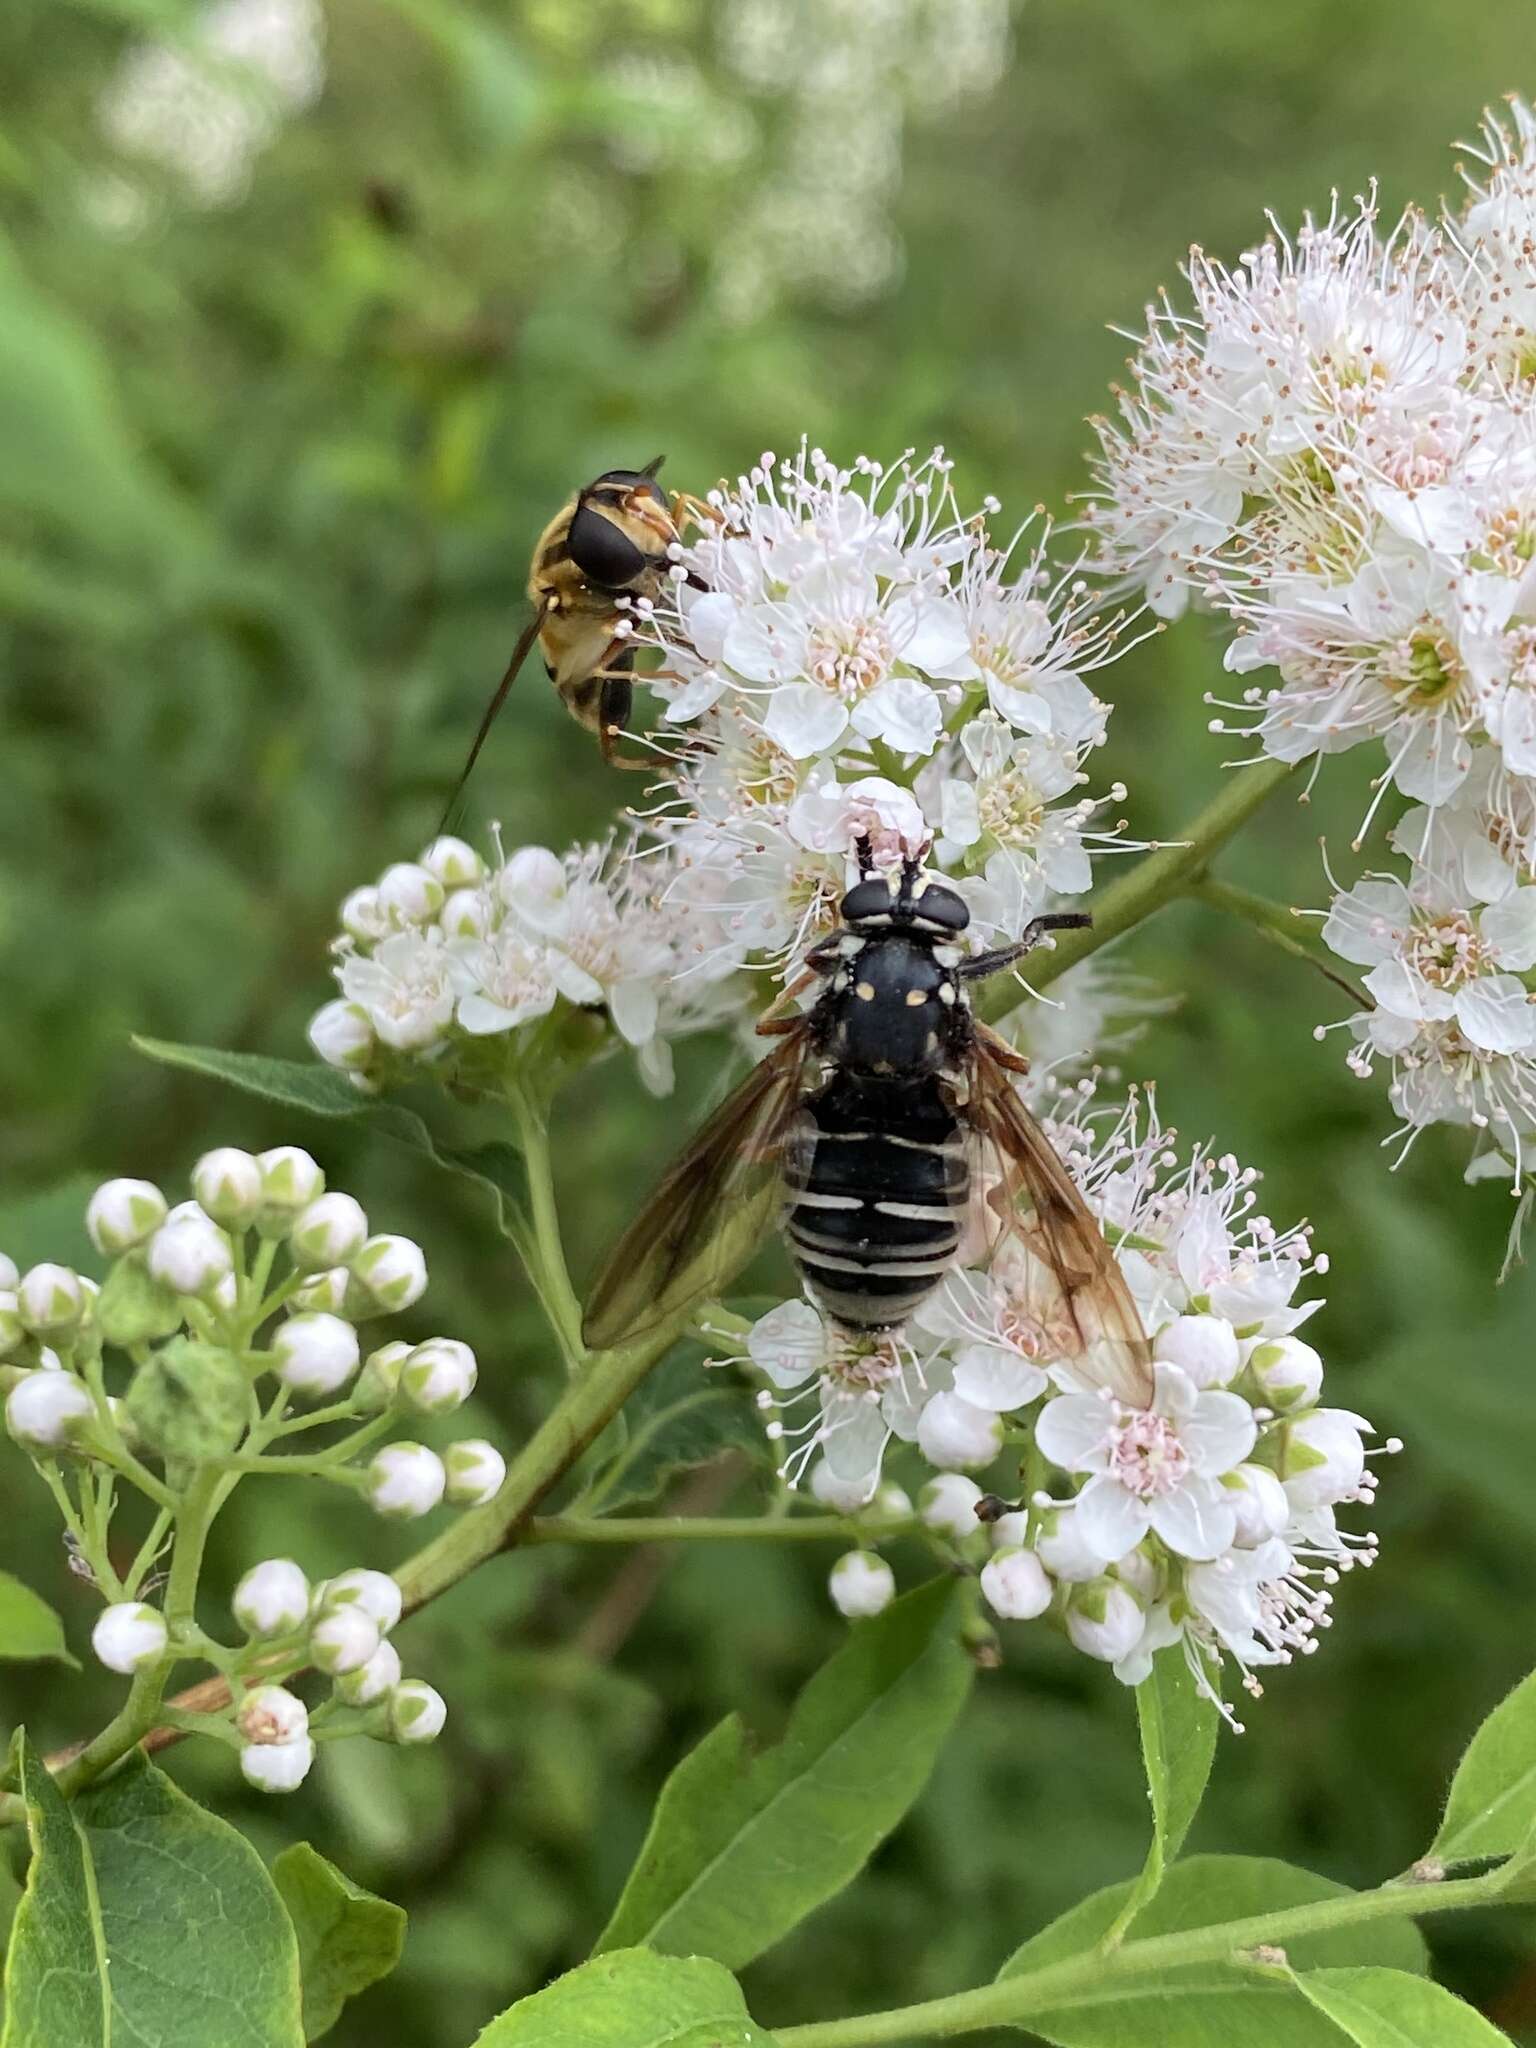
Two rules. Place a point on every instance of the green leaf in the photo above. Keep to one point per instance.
(632, 1999)
(190, 1400)
(29, 1627)
(145, 1920)
(1388, 2009)
(348, 1938)
(1207, 2005)
(1178, 1742)
(741, 1848)
(681, 1416)
(1491, 1807)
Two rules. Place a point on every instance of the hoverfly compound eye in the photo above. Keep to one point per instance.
(944, 909)
(867, 901)
(602, 551)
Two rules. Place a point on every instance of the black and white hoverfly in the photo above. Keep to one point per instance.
(869, 1116)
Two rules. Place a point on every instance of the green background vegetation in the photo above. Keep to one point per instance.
(268, 478)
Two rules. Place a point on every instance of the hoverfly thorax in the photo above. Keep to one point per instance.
(895, 1003)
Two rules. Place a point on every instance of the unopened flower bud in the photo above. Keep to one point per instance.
(954, 1433)
(189, 1254)
(842, 1496)
(333, 1294)
(453, 863)
(270, 1713)
(948, 1504)
(1011, 1532)
(1104, 1620)
(475, 1471)
(342, 1034)
(330, 1232)
(343, 1639)
(439, 1376)
(1015, 1585)
(1324, 1458)
(277, 1766)
(379, 1380)
(467, 914)
(861, 1583)
(1259, 1502)
(1204, 1347)
(408, 894)
(1289, 1372)
(10, 1272)
(394, 1270)
(406, 1480)
(290, 1181)
(370, 1681)
(123, 1214)
(315, 1354)
(1063, 1550)
(51, 1300)
(272, 1599)
(129, 1636)
(227, 1184)
(13, 1331)
(47, 1410)
(891, 1503)
(362, 916)
(376, 1593)
(416, 1712)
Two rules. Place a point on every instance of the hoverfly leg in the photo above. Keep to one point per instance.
(983, 964)
(613, 710)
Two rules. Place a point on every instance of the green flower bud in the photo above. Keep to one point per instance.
(190, 1400)
(134, 1308)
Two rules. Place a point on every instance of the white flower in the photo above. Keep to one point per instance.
(1260, 1503)
(370, 1681)
(228, 1185)
(330, 1231)
(47, 1410)
(122, 1214)
(865, 1388)
(948, 1505)
(1016, 1585)
(503, 980)
(1104, 1620)
(50, 1300)
(272, 1599)
(954, 1433)
(376, 1593)
(1434, 961)
(416, 1712)
(342, 1034)
(343, 1638)
(1156, 1468)
(1205, 1348)
(843, 1496)
(315, 1353)
(277, 1766)
(1324, 1458)
(129, 1636)
(190, 1254)
(405, 1480)
(272, 1714)
(992, 1328)
(408, 893)
(406, 987)
(393, 1269)
(475, 1471)
(439, 1376)
(861, 1583)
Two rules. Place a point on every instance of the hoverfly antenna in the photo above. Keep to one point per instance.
(911, 868)
(863, 847)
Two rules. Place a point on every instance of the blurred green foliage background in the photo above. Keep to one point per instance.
(272, 455)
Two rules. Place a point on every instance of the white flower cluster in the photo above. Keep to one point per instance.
(444, 956)
(1337, 449)
(196, 1297)
(1204, 1515)
(846, 656)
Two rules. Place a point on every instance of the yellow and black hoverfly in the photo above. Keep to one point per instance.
(607, 546)
(867, 1119)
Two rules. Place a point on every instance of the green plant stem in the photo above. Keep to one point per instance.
(714, 1529)
(1137, 1964)
(543, 1250)
(1276, 922)
(1152, 883)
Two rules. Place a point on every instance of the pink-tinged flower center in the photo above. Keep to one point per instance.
(1010, 808)
(1145, 1455)
(864, 1365)
(851, 659)
(1033, 1337)
(1447, 952)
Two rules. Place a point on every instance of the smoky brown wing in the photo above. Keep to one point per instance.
(674, 1253)
(1082, 1291)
